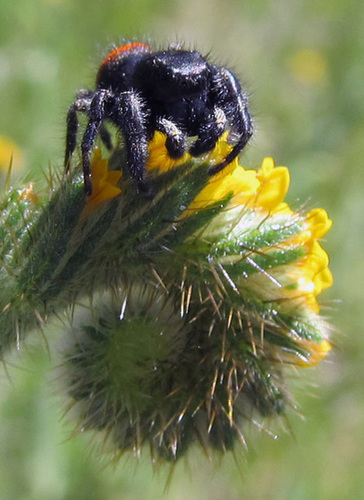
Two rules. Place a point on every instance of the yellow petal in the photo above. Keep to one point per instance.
(159, 157)
(318, 222)
(234, 180)
(317, 351)
(323, 280)
(274, 184)
(9, 154)
(106, 193)
(104, 182)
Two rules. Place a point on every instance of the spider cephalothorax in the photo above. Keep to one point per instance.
(174, 91)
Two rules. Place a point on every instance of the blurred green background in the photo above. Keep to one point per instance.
(303, 64)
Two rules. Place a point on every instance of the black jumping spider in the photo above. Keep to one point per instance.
(174, 91)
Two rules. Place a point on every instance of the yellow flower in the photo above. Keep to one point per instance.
(308, 66)
(104, 182)
(234, 180)
(314, 353)
(308, 277)
(274, 184)
(158, 155)
(318, 222)
(315, 274)
(265, 189)
(9, 154)
(262, 192)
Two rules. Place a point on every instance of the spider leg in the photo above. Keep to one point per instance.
(176, 142)
(210, 132)
(238, 147)
(81, 104)
(129, 115)
(96, 116)
(234, 103)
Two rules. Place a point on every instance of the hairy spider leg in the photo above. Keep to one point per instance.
(96, 116)
(210, 131)
(237, 112)
(176, 142)
(81, 104)
(127, 113)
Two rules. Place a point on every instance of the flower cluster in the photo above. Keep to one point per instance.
(186, 309)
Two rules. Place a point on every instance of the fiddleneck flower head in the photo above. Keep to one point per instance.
(198, 339)
(187, 308)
